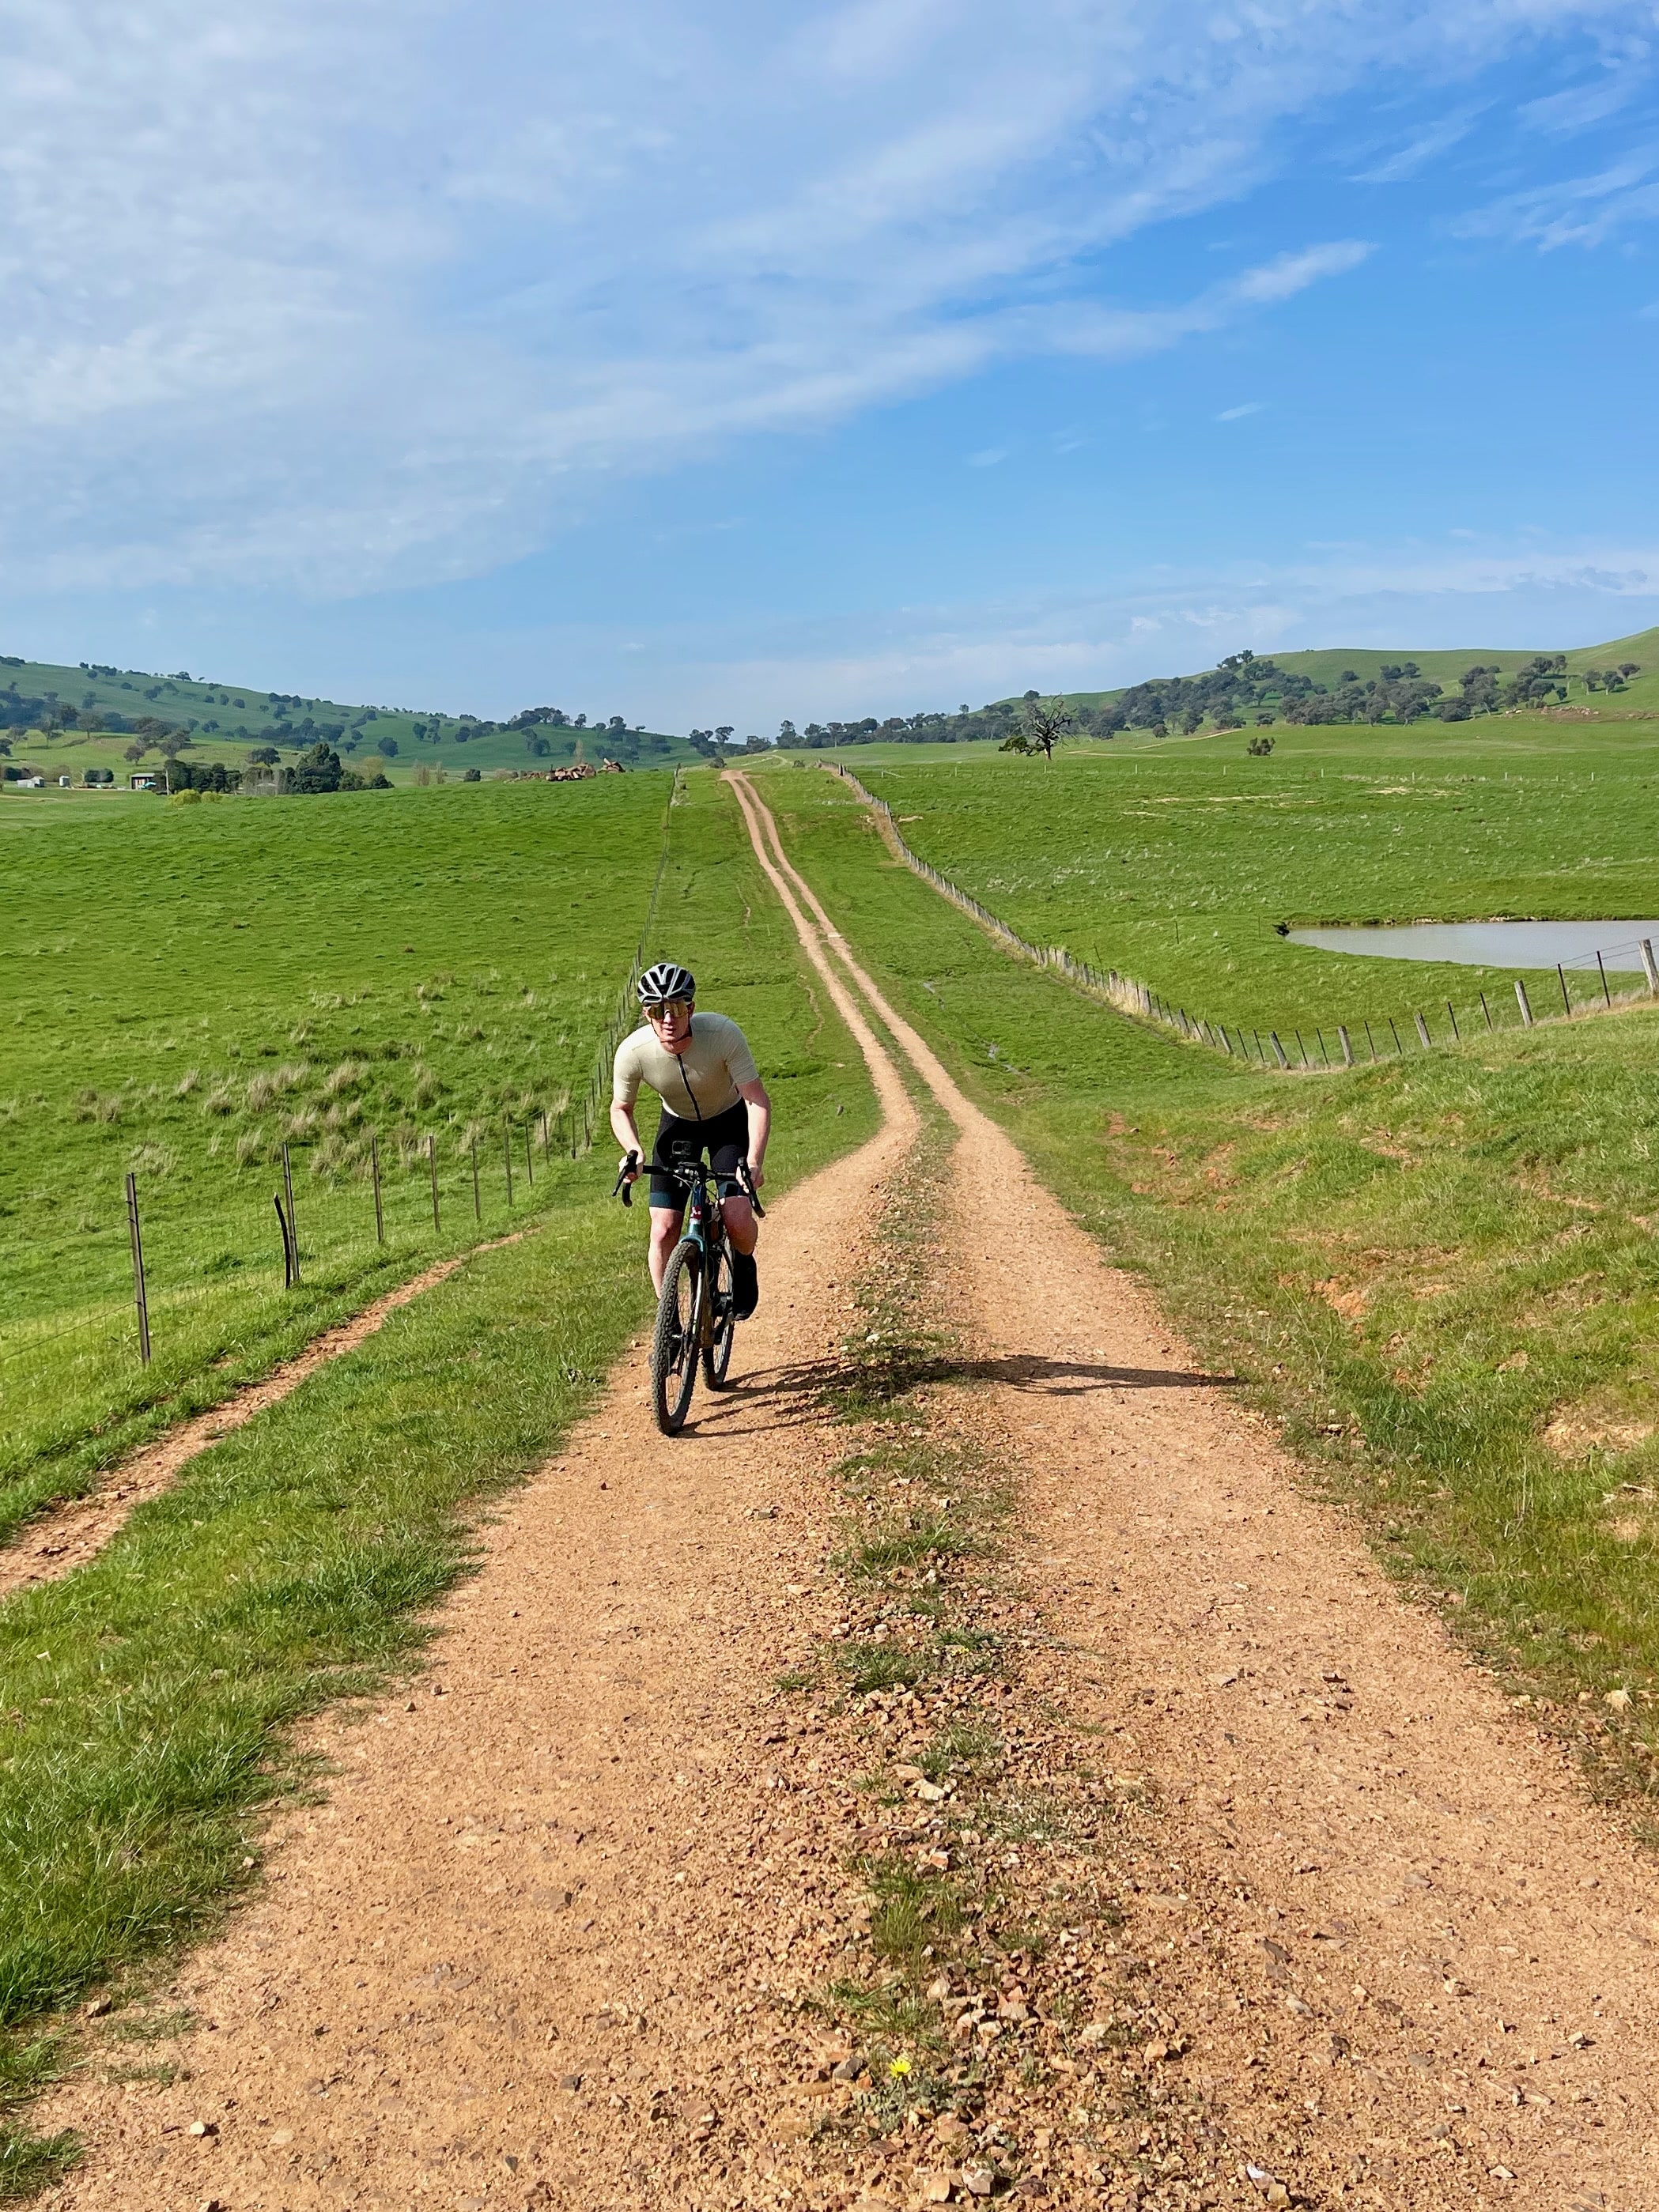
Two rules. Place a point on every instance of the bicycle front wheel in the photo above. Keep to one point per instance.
(717, 1352)
(674, 1345)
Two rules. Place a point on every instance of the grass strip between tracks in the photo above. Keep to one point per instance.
(1440, 1278)
(146, 1700)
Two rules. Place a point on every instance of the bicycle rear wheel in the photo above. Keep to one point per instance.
(717, 1352)
(674, 1345)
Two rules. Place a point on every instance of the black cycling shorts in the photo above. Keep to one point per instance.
(724, 1137)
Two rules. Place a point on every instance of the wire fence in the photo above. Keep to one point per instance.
(424, 1188)
(1348, 1044)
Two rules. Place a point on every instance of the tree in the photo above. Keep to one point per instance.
(386, 746)
(1260, 746)
(1043, 723)
(317, 770)
(263, 756)
(535, 744)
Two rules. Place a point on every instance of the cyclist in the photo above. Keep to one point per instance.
(712, 1100)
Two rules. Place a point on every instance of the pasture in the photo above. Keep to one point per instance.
(1439, 1273)
(1175, 863)
(190, 989)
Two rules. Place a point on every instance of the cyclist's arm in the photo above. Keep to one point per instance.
(755, 1098)
(625, 1128)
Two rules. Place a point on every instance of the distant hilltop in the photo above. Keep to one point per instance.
(1617, 680)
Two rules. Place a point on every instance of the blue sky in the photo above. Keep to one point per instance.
(723, 364)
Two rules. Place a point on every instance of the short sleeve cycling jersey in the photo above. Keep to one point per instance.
(697, 1084)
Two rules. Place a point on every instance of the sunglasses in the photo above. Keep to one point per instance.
(662, 1010)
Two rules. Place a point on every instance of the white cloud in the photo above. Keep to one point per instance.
(1237, 414)
(1396, 596)
(346, 297)
(1573, 210)
(1426, 146)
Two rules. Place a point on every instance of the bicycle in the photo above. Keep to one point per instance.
(694, 1327)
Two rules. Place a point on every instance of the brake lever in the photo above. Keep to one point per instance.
(624, 1183)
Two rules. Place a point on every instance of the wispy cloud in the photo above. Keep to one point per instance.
(1425, 146)
(1237, 414)
(348, 297)
(1574, 211)
(1386, 596)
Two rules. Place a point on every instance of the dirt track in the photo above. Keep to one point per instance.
(560, 1932)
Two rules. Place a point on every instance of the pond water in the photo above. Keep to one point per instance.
(1493, 944)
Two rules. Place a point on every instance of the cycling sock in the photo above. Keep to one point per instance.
(745, 1284)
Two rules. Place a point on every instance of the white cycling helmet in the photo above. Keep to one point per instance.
(666, 979)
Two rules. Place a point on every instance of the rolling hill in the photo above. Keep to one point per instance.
(227, 720)
(1328, 665)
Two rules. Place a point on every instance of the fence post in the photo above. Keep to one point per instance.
(293, 1222)
(1601, 969)
(529, 1163)
(1561, 978)
(478, 1204)
(1371, 1041)
(1398, 1047)
(1522, 1001)
(1346, 1043)
(140, 1297)
(290, 1264)
(1486, 1009)
(374, 1170)
(1423, 1036)
(1278, 1050)
(1302, 1048)
(544, 1150)
(1451, 1016)
(506, 1154)
(1649, 968)
(432, 1172)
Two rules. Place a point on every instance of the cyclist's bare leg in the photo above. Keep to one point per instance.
(741, 1226)
(665, 1224)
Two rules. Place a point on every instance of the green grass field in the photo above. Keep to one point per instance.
(189, 989)
(1441, 1274)
(1175, 863)
(150, 1694)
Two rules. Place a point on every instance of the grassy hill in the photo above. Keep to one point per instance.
(227, 719)
(1330, 664)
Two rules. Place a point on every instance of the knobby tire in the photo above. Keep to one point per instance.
(674, 1344)
(717, 1353)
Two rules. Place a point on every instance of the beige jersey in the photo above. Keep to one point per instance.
(697, 1083)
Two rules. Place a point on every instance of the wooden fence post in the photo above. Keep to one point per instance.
(529, 1163)
(140, 1296)
(293, 1223)
(432, 1172)
(1423, 1036)
(374, 1170)
(1649, 967)
(1278, 1050)
(506, 1154)
(1346, 1043)
(1522, 1001)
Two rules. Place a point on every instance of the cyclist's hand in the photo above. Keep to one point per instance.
(757, 1177)
(627, 1168)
